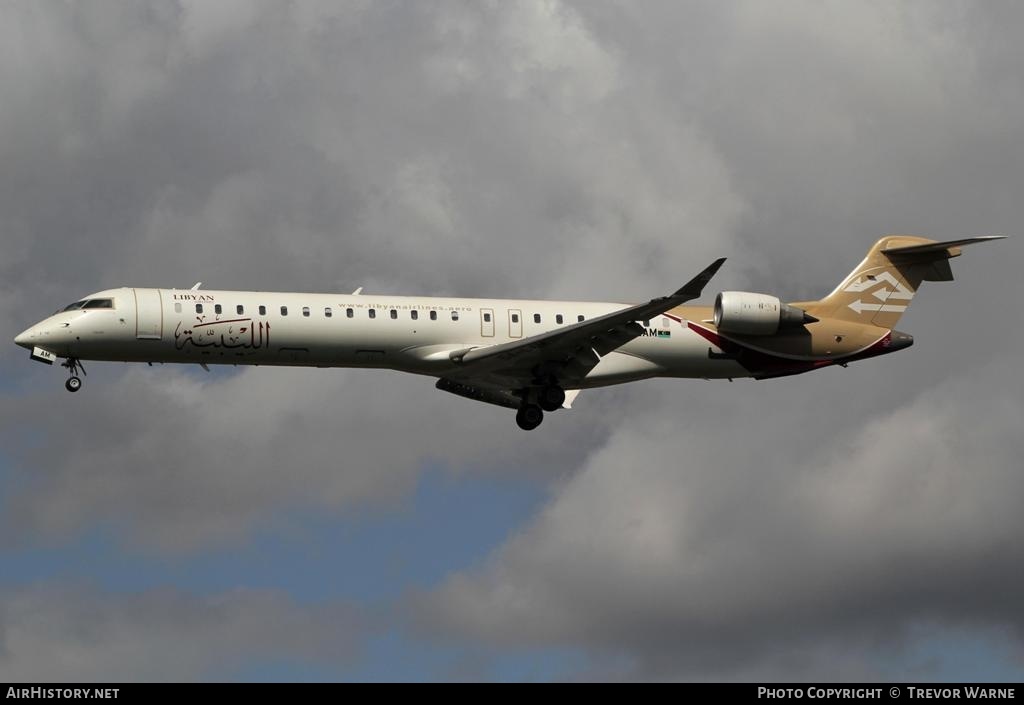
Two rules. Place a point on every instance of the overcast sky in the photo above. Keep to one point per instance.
(166, 523)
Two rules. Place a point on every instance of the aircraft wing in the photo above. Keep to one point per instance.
(570, 352)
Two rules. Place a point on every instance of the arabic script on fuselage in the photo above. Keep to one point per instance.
(230, 334)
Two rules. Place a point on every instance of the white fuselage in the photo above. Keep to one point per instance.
(529, 355)
(411, 334)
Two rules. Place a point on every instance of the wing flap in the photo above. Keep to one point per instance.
(581, 363)
(498, 397)
(616, 338)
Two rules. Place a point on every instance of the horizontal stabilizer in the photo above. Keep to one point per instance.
(939, 248)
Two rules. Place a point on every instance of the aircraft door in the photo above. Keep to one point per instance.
(149, 314)
(515, 323)
(487, 322)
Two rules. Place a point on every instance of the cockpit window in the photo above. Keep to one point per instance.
(88, 303)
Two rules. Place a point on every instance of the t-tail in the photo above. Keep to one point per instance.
(879, 290)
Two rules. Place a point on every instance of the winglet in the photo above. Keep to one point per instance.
(693, 288)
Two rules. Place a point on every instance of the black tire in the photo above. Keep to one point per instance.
(551, 398)
(73, 384)
(529, 417)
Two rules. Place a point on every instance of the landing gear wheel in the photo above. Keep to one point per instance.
(551, 398)
(529, 417)
(73, 384)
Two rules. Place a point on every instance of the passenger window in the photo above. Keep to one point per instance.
(579, 319)
(487, 318)
(373, 313)
(414, 314)
(558, 319)
(433, 315)
(327, 312)
(394, 314)
(515, 318)
(263, 310)
(664, 322)
(536, 318)
(455, 315)
(349, 312)
(305, 311)
(239, 309)
(284, 310)
(177, 308)
(199, 308)
(216, 308)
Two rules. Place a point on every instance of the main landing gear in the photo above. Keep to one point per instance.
(529, 416)
(548, 398)
(74, 365)
(551, 398)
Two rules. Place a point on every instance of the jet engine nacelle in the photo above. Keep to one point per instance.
(756, 314)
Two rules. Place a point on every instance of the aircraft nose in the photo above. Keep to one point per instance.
(24, 338)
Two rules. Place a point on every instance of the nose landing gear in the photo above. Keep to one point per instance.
(74, 365)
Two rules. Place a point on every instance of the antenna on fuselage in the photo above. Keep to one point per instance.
(195, 287)
(357, 292)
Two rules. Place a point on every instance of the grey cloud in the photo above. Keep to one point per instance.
(388, 145)
(839, 122)
(712, 552)
(81, 634)
(181, 463)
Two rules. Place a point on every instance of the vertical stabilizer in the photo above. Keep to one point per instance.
(881, 288)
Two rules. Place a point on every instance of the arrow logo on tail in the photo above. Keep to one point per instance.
(860, 307)
(899, 293)
(899, 290)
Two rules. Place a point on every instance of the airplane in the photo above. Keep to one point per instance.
(531, 356)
